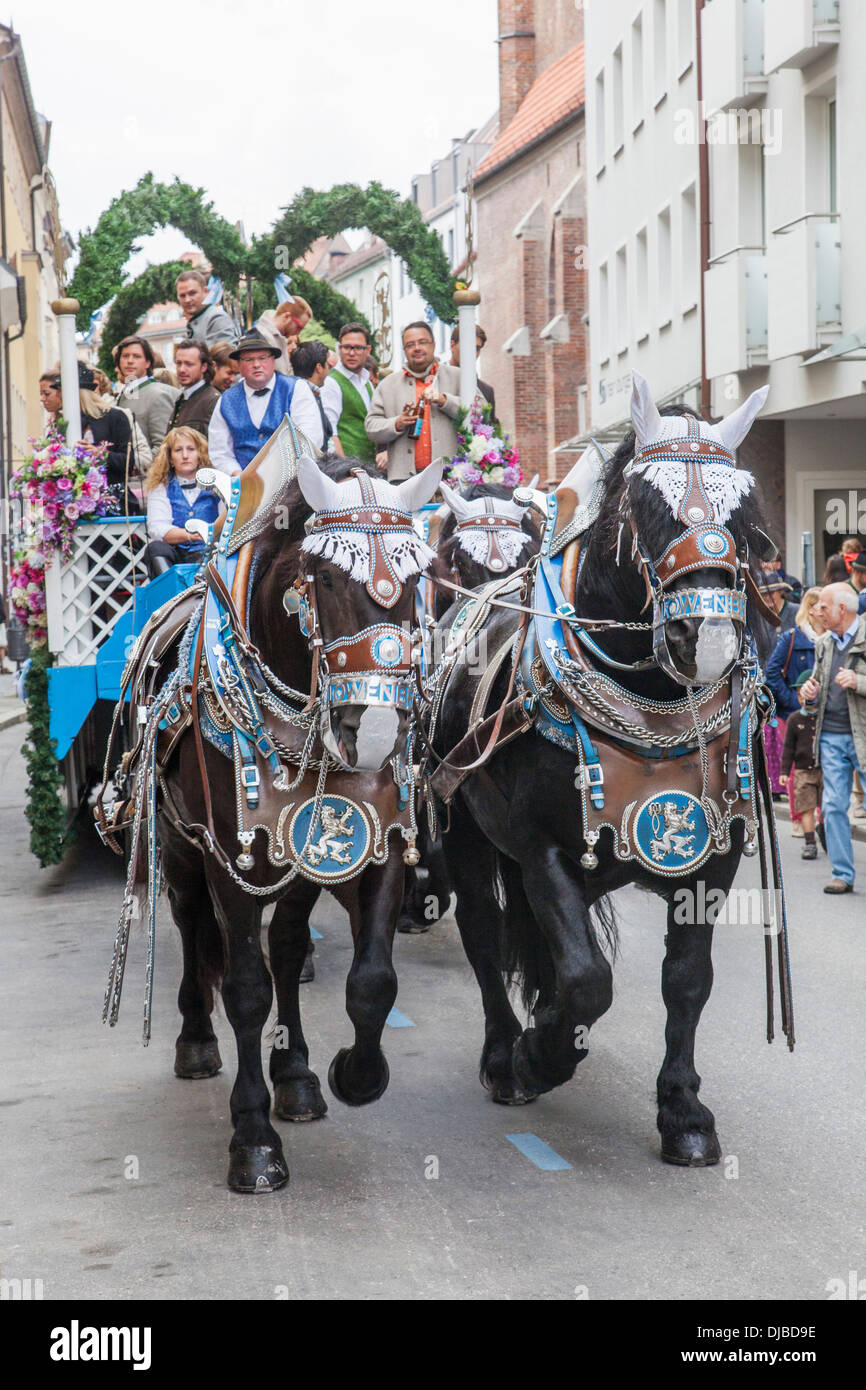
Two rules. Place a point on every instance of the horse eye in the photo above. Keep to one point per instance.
(325, 579)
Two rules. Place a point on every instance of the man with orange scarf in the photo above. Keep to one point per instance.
(412, 412)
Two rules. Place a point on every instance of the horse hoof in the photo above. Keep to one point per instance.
(510, 1093)
(409, 927)
(299, 1099)
(692, 1149)
(194, 1060)
(257, 1168)
(337, 1082)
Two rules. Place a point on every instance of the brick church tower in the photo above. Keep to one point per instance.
(530, 194)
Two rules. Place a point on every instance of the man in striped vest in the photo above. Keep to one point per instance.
(348, 392)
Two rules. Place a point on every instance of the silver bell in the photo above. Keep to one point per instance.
(411, 856)
(589, 860)
(750, 847)
(245, 861)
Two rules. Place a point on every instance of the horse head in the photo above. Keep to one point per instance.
(485, 536)
(690, 516)
(362, 559)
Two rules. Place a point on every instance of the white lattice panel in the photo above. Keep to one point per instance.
(86, 595)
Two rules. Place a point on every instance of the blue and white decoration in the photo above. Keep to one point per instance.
(339, 842)
(671, 834)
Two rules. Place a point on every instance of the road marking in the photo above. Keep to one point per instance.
(315, 935)
(539, 1153)
(397, 1020)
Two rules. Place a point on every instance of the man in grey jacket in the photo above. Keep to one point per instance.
(837, 689)
(412, 412)
(151, 402)
(209, 323)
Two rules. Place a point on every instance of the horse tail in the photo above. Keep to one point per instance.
(527, 962)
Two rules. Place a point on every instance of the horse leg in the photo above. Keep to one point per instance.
(359, 1074)
(546, 1054)
(196, 1051)
(297, 1094)
(686, 1126)
(472, 864)
(256, 1161)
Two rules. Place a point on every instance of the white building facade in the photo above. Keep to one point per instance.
(784, 281)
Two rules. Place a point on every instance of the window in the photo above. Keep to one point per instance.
(600, 134)
(663, 251)
(641, 285)
(637, 72)
(832, 155)
(690, 259)
(433, 173)
(660, 50)
(621, 299)
(685, 36)
(451, 247)
(618, 114)
(415, 191)
(603, 314)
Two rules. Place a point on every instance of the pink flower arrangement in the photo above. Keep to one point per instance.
(483, 456)
(58, 486)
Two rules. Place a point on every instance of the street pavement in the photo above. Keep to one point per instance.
(12, 710)
(112, 1172)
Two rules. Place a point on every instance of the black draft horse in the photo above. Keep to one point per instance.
(526, 909)
(428, 887)
(220, 922)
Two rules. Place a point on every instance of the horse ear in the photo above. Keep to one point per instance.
(420, 487)
(734, 428)
(644, 412)
(533, 483)
(456, 502)
(320, 491)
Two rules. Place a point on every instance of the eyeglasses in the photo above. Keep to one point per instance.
(256, 358)
(354, 347)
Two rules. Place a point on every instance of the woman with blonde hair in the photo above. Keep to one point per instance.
(174, 499)
(794, 654)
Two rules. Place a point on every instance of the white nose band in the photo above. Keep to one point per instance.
(716, 649)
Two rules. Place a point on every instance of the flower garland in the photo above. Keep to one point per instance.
(45, 809)
(58, 485)
(483, 456)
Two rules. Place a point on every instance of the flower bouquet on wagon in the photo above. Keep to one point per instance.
(483, 455)
(58, 485)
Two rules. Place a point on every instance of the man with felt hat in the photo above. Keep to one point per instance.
(776, 591)
(857, 579)
(250, 411)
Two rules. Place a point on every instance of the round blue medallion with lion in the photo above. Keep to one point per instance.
(337, 845)
(671, 834)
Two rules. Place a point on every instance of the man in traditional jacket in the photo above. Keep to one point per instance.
(412, 412)
(151, 402)
(197, 400)
(348, 391)
(208, 322)
(250, 411)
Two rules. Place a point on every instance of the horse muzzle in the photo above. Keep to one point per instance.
(367, 702)
(698, 633)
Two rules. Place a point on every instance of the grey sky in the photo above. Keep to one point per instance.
(281, 95)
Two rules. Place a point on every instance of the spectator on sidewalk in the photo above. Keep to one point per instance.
(773, 570)
(794, 656)
(208, 322)
(348, 391)
(412, 412)
(310, 411)
(150, 401)
(835, 571)
(197, 399)
(837, 689)
(5, 666)
(225, 367)
(484, 387)
(798, 755)
(250, 411)
(174, 499)
(857, 579)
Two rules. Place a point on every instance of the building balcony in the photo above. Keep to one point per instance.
(805, 298)
(732, 45)
(735, 289)
(796, 32)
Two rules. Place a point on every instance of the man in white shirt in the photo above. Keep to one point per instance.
(313, 414)
(249, 412)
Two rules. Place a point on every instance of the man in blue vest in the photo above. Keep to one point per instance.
(250, 411)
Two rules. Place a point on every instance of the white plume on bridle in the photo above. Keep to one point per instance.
(351, 550)
(475, 540)
(725, 486)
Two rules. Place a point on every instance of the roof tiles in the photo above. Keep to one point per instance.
(557, 93)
